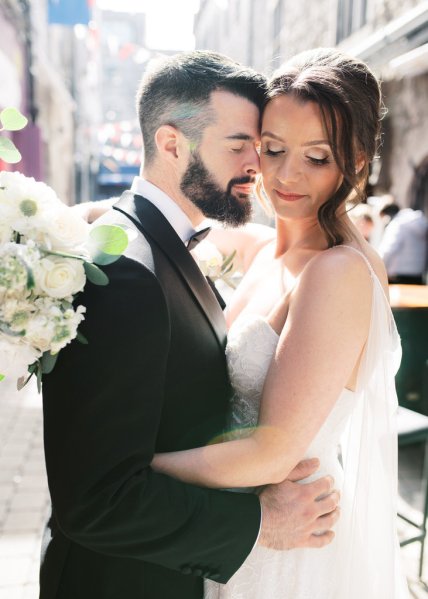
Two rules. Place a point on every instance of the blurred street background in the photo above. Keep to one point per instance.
(73, 68)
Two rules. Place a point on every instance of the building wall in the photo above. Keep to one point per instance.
(282, 28)
(408, 130)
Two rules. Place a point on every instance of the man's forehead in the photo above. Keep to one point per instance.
(236, 118)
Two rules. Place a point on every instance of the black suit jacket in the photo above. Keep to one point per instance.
(152, 378)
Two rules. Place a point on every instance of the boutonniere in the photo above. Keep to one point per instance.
(213, 264)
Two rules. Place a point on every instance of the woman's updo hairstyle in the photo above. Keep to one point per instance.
(349, 97)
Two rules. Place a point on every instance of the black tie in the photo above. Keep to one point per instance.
(197, 237)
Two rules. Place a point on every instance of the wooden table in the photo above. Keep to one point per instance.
(408, 296)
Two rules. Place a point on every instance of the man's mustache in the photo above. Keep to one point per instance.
(240, 181)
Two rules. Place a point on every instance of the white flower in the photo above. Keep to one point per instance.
(40, 332)
(52, 327)
(16, 312)
(66, 230)
(15, 357)
(66, 328)
(25, 204)
(5, 233)
(16, 264)
(60, 277)
(209, 259)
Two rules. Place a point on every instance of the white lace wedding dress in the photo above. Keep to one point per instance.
(357, 445)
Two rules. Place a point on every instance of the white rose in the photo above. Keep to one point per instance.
(209, 259)
(66, 230)
(15, 357)
(60, 277)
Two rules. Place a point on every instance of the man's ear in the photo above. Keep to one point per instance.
(167, 139)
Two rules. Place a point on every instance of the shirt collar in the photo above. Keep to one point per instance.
(171, 211)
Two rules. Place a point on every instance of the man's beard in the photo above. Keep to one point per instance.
(199, 187)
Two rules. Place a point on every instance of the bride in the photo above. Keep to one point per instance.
(313, 347)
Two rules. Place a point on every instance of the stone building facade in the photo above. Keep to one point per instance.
(390, 35)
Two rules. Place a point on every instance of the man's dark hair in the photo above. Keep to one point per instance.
(176, 91)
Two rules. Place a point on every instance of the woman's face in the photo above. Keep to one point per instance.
(297, 164)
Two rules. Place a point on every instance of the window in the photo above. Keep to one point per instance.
(351, 16)
(276, 29)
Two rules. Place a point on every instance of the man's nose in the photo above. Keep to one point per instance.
(252, 166)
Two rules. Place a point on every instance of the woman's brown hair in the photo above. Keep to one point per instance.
(350, 101)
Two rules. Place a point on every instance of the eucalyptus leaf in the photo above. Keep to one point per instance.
(109, 239)
(65, 255)
(103, 259)
(131, 233)
(95, 274)
(39, 379)
(8, 151)
(65, 305)
(48, 362)
(229, 259)
(12, 119)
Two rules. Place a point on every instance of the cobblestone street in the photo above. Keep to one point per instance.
(24, 500)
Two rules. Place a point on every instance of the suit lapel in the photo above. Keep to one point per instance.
(154, 225)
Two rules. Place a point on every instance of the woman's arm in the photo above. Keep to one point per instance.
(322, 340)
(90, 211)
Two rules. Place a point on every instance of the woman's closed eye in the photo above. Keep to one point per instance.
(272, 150)
(318, 161)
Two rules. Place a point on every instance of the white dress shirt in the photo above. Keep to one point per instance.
(178, 220)
(404, 243)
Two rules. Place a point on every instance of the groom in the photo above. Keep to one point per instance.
(153, 375)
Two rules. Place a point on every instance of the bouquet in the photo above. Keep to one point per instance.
(47, 253)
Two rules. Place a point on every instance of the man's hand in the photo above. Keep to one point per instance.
(299, 515)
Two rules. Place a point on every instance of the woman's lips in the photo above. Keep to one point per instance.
(290, 196)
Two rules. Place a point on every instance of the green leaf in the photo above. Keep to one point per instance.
(229, 259)
(95, 274)
(225, 272)
(2, 377)
(103, 259)
(33, 367)
(81, 338)
(12, 119)
(48, 362)
(39, 378)
(64, 255)
(8, 151)
(108, 239)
